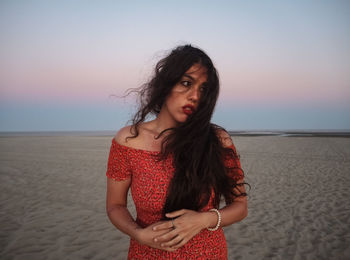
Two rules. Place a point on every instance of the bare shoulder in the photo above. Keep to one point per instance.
(122, 134)
(224, 137)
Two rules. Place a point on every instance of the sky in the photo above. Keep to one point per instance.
(283, 65)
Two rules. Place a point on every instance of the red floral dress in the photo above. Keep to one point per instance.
(150, 180)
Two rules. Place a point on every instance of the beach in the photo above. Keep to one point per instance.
(53, 199)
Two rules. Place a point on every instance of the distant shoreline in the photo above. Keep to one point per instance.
(283, 133)
(301, 133)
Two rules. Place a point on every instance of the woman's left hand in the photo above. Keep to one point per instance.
(187, 224)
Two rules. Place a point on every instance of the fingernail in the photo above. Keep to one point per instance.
(155, 240)
(162, 245)
(154, 228)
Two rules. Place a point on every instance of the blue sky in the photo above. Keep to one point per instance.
(282, 64)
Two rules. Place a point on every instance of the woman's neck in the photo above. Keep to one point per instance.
(163, 121)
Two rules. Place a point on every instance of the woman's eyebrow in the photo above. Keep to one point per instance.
(188, 76)
(193, 79)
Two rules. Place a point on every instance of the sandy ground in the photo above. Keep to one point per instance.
(52, 199)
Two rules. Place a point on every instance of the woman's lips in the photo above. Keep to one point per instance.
(188, 109)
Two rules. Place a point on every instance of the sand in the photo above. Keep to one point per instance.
(53, 199)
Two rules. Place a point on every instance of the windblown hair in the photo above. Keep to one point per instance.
(198, 153)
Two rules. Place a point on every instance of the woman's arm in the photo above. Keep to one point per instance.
(119, 215)
(116, 206)
(188, 223)
(237, 210)
(118, 184)
(232, 213)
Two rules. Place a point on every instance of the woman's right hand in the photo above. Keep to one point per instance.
(147, 235)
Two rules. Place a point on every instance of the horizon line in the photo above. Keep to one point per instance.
(258, 132)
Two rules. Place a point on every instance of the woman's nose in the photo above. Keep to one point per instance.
(193, 94)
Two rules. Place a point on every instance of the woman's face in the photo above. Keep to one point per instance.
(184, 98)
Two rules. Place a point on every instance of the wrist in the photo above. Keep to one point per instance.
(210, 219)
(138, 234)
(218, 220)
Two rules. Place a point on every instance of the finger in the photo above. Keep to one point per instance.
(166, 237)
(165, 225)
(175, 214)
(172, 243)
(180, 244)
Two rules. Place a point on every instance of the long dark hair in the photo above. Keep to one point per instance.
(198, 153)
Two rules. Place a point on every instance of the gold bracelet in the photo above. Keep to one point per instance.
(219, 220)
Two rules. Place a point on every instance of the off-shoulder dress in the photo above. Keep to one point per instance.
(150, 178)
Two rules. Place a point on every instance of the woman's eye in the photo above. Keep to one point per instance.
(186, 83)
(203, 88)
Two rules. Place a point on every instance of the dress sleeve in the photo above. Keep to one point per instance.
(118, 167)
(233, 164)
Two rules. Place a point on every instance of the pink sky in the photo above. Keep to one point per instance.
(268, 54)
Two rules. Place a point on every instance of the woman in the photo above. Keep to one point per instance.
(177, 165)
